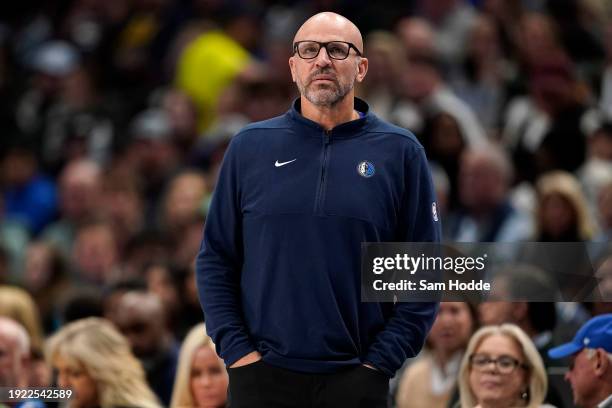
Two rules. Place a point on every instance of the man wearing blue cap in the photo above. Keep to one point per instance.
(590, 372)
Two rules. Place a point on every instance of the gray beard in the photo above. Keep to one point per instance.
(327, 96)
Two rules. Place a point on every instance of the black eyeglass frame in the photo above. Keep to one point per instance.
(325, 44)
(516, 363)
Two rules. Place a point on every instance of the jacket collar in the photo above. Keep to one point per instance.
(345, 130)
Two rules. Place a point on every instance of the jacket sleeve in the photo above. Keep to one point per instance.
(219, 264)
(410, 322)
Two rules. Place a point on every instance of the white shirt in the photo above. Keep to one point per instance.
(607, 403)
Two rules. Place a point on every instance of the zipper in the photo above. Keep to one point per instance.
(319, 200)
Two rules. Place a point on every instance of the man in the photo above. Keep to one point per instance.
(487, 214)
(141, 318)
(590, 373)
(537, 319)
(278, 272)
(15, 361)
(80, 193)
(424, 88)
(14, 354)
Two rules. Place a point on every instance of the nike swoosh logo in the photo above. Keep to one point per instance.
(277, 164)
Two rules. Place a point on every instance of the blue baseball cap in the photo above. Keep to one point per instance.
(596, 333)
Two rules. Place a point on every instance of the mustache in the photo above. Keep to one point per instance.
(325, 72)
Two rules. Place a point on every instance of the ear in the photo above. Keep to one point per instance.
(292, 67)
(602, 362)
(362, 69)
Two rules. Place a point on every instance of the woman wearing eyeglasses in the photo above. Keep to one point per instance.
(502, 368)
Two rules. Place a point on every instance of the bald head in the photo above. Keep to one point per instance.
(14, 353)
(144, 304)
(16, 334)
(417, 36)
(141, 318)
(328, 26)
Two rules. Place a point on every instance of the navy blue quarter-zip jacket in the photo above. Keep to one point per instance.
(279, 266)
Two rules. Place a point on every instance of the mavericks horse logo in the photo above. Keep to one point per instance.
(366, 169)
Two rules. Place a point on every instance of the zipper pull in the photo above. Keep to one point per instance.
(328, 134)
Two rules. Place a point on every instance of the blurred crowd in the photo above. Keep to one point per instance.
(115, 116)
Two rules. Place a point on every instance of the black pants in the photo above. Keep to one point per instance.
(260, 385)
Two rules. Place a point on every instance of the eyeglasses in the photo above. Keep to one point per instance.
(505, 364)
(337, 50)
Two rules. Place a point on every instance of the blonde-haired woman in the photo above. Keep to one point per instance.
(431, 381)
(562, 212)
(502, 368)
(96, 362)
(201, 377)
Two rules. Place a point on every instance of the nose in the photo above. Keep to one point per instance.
(491, 367)
(322, 59)
(62, 381)
(204, 381)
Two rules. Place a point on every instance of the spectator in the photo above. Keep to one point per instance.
(528, 302)
(562, 214)
(452, 20)
(486, 213)
(167, 281)
(416, 35)
(444, 143)
(51, 64)
(259, 97)
(122, 203)
(79, 303)
(19, 305)
(144, 248)
(501, 368)
(14, 238)
(94, 360)
(182, 115)
(193, 311)
(79, 201)
(113, 293)
(590, 373)
(141, 317)
(187, 245)
(183, 200)
(45, 276)
(201, 379)
(77, 125)
(386, 57)
(29, 196)
(425, 92)
(431, 381)
(596, 172)
(95, 257)
(481, 82)
(151, 154)
(576, 34)
(535, 37)
(602, 301)
(14, 354)
(543, 129)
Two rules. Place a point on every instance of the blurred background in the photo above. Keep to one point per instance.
(115, 114)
